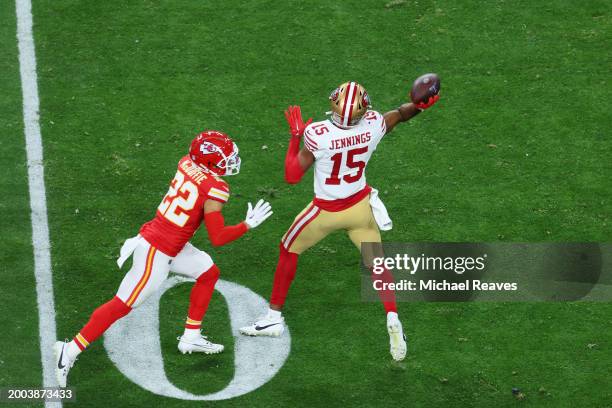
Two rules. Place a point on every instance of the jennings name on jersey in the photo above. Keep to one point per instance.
(182, 210)
(342, 155)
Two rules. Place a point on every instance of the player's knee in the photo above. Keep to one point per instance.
(211, 275)
(113, 309)
(292, 251)
(120, 307)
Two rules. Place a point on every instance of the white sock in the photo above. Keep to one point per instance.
(72, 350)
(392, 316)
(191, 333)
(274, 314)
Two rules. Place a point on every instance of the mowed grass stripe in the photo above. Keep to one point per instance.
(20, 362)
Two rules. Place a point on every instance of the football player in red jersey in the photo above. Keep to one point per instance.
(196, 194)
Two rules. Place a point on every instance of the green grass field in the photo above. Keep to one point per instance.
(518, 149)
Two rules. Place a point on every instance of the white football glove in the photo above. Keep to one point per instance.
(259, 214)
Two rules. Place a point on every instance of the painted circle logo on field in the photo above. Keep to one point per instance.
(134, 347)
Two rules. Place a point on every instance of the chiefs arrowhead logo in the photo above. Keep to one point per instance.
(208, 148)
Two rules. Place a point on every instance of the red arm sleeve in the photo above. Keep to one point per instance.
(220, 234)
(293, 170)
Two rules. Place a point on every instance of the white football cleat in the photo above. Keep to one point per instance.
(198, 344)
(397, 339)
(265, 326)
(63, 364)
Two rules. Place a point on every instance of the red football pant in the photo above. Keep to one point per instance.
(101, 319)
(285, 272)
(387, 296)
(201, 293)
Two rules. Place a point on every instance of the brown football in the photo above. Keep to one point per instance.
(425, 87)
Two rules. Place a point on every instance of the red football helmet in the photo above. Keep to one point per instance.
(215, 153)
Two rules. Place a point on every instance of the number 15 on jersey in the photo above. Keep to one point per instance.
(349, 161)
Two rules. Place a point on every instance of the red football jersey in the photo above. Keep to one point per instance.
(182, 210)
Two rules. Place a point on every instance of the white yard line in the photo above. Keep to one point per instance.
(38, 199)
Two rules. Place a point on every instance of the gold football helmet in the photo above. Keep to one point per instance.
(349, 102)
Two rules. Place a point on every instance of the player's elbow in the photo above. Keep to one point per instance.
(216, 241)
(292, 179)
(293, 174)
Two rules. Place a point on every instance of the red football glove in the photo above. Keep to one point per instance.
(296, 125)
(293, 169)
(424, 105)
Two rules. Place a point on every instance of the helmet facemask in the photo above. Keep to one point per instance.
(231, 163)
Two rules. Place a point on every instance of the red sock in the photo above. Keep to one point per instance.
(200, 297)
(101, 319)
(387, 296)
(285, 272)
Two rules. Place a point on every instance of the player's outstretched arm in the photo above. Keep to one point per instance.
(424, 94)
(297, 161)
(403, 113)
(221, 234)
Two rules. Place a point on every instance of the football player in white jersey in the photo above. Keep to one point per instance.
(339, 148)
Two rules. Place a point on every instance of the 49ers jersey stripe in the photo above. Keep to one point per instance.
(310, 139)
(309, 136)
(311, 142)
(309, 145)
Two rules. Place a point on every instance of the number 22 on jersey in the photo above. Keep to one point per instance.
(181, 197)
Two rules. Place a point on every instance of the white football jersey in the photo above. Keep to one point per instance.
(343, 154)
